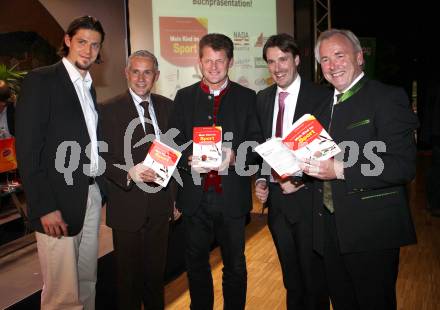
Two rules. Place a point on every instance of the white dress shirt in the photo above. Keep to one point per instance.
(137, 103)
(360, 76)
(4, 128)
(82, 88)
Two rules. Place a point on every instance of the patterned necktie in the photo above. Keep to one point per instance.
(279, 126)
(147, 118)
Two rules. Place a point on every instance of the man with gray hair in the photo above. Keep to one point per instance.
(139, 218)
(361, 214)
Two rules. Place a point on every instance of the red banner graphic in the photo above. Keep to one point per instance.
(179, 39)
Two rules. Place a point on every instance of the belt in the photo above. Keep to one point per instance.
(91, 180)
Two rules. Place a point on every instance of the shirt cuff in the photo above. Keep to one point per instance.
(260, 180)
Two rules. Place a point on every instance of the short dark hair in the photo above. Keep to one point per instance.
(285, 42)
(83, 22)
(217, 42)
(5, 91)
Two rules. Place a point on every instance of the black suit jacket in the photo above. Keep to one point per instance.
(371, 211)
(237, 114)
(312, 99)
(128, 205)
(48, 114)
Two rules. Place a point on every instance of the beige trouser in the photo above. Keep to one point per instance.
(69, 264)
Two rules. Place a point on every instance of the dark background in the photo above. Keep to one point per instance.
(407, 33)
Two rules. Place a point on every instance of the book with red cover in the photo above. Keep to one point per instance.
(163, 160)
(207, 147)
(8, 160)
(308, 139)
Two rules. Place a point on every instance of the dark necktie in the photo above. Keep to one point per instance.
(279, 126)
(339, 97)
(147, 118)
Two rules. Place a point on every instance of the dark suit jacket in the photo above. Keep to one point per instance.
(312, 99)
(49, 113)
(129, 206)
(236, 114)
(372, 212)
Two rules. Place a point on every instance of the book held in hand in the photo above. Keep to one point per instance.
(163, 160)
(279, 157)
(207, 147)
(306, 139)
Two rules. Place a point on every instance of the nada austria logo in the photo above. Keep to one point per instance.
(241, 41)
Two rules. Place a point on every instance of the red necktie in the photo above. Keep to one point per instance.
(279, 128)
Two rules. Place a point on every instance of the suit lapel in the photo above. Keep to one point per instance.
(69, 93)
(129, 109)
(132, 114)
(270, 101)
(159, 111)
(303, 105)
(202, 107)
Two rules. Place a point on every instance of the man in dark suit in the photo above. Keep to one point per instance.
(138, 215)
(290, 200)
(59, 163)
(217, 206)
(361, 214)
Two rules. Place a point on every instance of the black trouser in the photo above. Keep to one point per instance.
(140, 261)
(201, 229)
(303, 269)
(433, 182)
(363, 280)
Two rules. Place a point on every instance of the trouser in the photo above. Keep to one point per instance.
(69, 264)
(303, 269)
(207, 224)
(141, 261)
(362, 280)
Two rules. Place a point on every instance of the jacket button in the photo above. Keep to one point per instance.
(319, 190)
(209, 117)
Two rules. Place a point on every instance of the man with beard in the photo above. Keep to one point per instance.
(56, 127)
